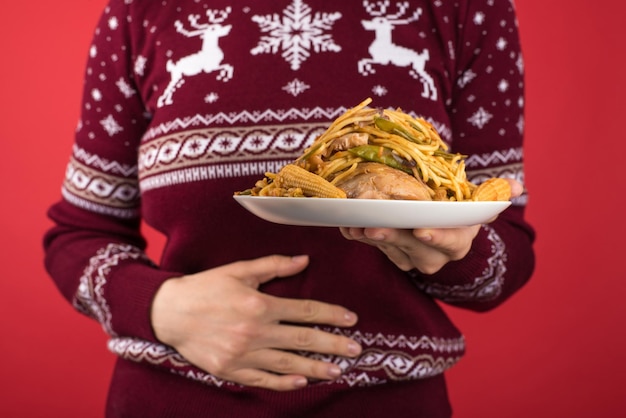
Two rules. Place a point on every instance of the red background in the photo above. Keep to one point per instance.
(555, 350)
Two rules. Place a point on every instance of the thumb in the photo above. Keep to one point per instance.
(263, 269)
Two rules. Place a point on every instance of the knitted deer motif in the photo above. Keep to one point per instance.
(383, 51)
(207, 60)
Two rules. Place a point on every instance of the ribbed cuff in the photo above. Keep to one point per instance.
(465, 270)
(130, 293)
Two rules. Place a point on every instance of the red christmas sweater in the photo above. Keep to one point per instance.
(186, 102)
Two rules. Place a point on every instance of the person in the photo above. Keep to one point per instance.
(187, 102)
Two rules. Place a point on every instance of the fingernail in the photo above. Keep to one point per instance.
(298, 258)
(300, 382)
(334, 371)
(425, 237)
(354, 349)
(350, 317)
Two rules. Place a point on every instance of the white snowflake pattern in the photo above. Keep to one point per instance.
(503, 86)
(379, 90)
(113, 23)
(211, 98)
(110, 125)
(96, 95)
(520, 64)
(480, 118)
(295, 87)
(125, 88)
(466, 78)
(520, 125)
(93, 51)
(295, 33)
(501, 44)
(479, 18)
(140, 65)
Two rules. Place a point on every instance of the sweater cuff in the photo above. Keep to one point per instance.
(467, 269)
(131, 294)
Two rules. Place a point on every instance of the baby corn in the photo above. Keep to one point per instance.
(312, 185)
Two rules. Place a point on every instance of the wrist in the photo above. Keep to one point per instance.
(162, 310)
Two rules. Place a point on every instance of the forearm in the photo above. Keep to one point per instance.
(102, 270)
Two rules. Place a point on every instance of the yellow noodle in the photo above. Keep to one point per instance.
(349, 113)
(436, 170)
(338, 164)
(412, 153)
(345, 173)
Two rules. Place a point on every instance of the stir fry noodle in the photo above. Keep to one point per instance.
(366, 139)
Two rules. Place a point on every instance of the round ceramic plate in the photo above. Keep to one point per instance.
(370, 213)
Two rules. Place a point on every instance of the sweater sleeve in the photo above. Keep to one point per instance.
(94, 251)
(487, 113)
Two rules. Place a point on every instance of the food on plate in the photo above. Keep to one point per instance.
(379, 181)
(370, 153)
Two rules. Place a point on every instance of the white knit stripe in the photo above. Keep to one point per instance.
(384, 358)
(90, 296)
(486, 287)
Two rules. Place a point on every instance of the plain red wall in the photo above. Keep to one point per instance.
(555, 350)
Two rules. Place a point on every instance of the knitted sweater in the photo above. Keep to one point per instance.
(186, 102)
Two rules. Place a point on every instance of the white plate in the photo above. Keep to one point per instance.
(404, 214)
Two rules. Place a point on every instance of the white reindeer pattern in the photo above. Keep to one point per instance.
(207, 60)
(383, 51)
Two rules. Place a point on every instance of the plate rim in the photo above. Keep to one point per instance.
(496, 207)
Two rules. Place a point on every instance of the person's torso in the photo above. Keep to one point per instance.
(234, 91)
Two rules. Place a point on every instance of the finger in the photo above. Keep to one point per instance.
(403, 239)
(264, 269)
(286, 363)
(267, 380)
(310, 311)
(398, 256)
(408, 253)
(394, 243)
(455, 242)
(352, 233)
(300, 338)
